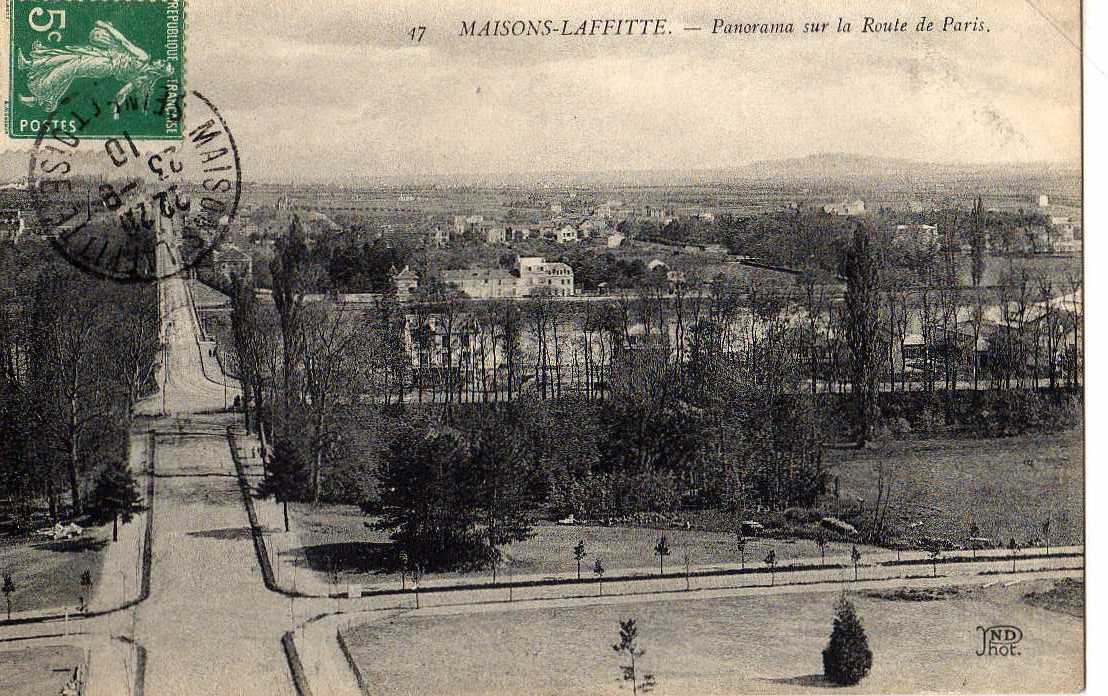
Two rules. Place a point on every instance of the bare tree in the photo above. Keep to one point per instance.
(336, 357)
(134, 338)
(976, 321)
(1074, 310)
(67, 368)
(293, 278)
(978, 242)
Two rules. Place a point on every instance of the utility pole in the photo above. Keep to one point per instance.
(165, 366)
(165, 361)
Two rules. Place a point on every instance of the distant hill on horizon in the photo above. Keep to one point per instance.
(841, 165)
(821, 167)
(817, 167)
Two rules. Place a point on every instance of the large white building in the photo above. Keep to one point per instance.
(535, 275)
(483, 283)
(464, 225)
(565, 234)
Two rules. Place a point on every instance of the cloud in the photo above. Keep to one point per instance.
(327, 90)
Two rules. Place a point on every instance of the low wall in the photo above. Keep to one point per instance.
(296, 667)
(255, 529)
(351, 663)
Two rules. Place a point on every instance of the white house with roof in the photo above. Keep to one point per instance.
(466, 224)
(405, 281)
(439, 237)
(482, 283)
(228, 261)
(537, 274)
(566, 234)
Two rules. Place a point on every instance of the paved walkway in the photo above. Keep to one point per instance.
(349, 619)
(325, 665)
(121, 576)
(210, 626)
(112, 666)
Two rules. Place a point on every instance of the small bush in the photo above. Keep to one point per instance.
(901, 427)
(802, 515)
(847, 658)
(929, 420)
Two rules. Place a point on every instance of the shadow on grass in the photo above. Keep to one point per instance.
(359, 557)
(816, 681)
(78, 545)
(227, 534)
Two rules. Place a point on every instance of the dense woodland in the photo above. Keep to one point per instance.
(77, 354)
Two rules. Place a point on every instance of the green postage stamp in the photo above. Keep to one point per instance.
(96, 68)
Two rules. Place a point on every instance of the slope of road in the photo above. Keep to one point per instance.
(186, 388)
(210, 625)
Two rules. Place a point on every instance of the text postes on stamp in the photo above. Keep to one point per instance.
(133, 211)
(127, 57)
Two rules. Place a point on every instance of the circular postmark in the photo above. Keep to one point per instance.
(134, 210)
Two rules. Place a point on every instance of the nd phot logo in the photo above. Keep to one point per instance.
(1000, 641)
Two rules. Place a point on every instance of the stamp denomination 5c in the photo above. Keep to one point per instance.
(126, 57)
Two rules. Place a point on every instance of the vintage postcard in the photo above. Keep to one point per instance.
(542, 348)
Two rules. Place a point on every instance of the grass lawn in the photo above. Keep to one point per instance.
(1008, 486)
(39, 671)
(1066, 596)
(47, 574)
(365, 555)
(747, 645)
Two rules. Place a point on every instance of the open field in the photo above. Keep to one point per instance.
(725, 646)
(363, 555)
(1008, 486)
(38, 671)
(47, 574)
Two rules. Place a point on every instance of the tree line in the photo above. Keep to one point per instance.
(919, 328)
(76, 355)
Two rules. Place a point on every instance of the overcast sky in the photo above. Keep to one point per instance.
(321, 90)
